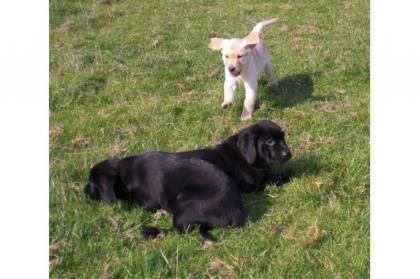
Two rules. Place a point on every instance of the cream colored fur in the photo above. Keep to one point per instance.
(244, 60)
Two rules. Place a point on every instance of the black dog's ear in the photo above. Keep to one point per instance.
(92, 191)
(246, 145)
(101, 189)
(106, 189)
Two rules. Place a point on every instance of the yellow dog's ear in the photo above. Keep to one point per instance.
(216, 43)
(252, 39)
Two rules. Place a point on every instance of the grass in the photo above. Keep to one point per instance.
(130, 76)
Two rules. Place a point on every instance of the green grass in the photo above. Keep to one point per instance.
(128, 76)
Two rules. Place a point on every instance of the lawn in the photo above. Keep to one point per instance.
(130, 76)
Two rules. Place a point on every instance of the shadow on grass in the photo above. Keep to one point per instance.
(300, 166)
(257, 204)
(291, 90)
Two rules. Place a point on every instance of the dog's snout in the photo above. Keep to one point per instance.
(286, 154)
(232, 69)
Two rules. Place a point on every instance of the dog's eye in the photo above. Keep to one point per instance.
(270, 142)
(226, 56)
(240, 56)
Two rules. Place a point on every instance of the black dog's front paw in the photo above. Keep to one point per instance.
(280, 178)
(286, 176)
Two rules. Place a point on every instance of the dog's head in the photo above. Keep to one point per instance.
(235, 52)
(103, 183)
(100, 192)
(263, 144)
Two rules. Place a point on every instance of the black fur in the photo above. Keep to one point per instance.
(197, 187)
(149, 232)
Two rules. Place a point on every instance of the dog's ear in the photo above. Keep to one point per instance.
(246, 145)
(216, 43)
(106, 189)
(252, 40)
(101, 189)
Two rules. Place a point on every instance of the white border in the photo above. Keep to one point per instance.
(395, 140)
(24, 139)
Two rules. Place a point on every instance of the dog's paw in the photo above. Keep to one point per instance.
(287, 176)
(226, 105)
(246, 115)
(149, 232)
(284, 177)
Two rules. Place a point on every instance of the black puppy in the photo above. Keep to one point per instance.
(197, 187)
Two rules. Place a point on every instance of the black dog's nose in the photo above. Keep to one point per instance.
(286, 154)
(231, 69)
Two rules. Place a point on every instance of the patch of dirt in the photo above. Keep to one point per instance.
(115, 150)
(106, 272)
(189, 51)
(129, 131)
(318, 183)
(297, 42)
(114, 221)
(75, 187)
(54, 262)
(131, 238)
(104, 113)
(308, 29)
(301, 114)
(207, 245)
(305, 142)
(286, 6)
(55, 132)
(221, 268)
(290, 237)
(56, 247)
(327, 108)
(340, 91)
(187, 97)
(328, 140)
(157, 40)
(341, 193)
(264, 107)
(79, 142)
(271, 228)
(214, 73)
(283, 28)
(161, 213)
(314, 235)
(65, 26)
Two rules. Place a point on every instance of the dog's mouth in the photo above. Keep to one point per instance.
(283, 157)
(279, 158)
(235, 73)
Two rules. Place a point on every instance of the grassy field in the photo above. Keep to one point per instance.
(130, 76)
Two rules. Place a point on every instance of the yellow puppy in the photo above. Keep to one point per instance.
(244, 61)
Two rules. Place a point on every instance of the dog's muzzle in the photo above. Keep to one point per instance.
(284, 155)
(234, 71)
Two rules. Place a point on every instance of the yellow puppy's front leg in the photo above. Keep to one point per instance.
(250, 98)
(229, 93)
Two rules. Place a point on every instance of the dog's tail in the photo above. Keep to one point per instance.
(260, 26)
(255, 36)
